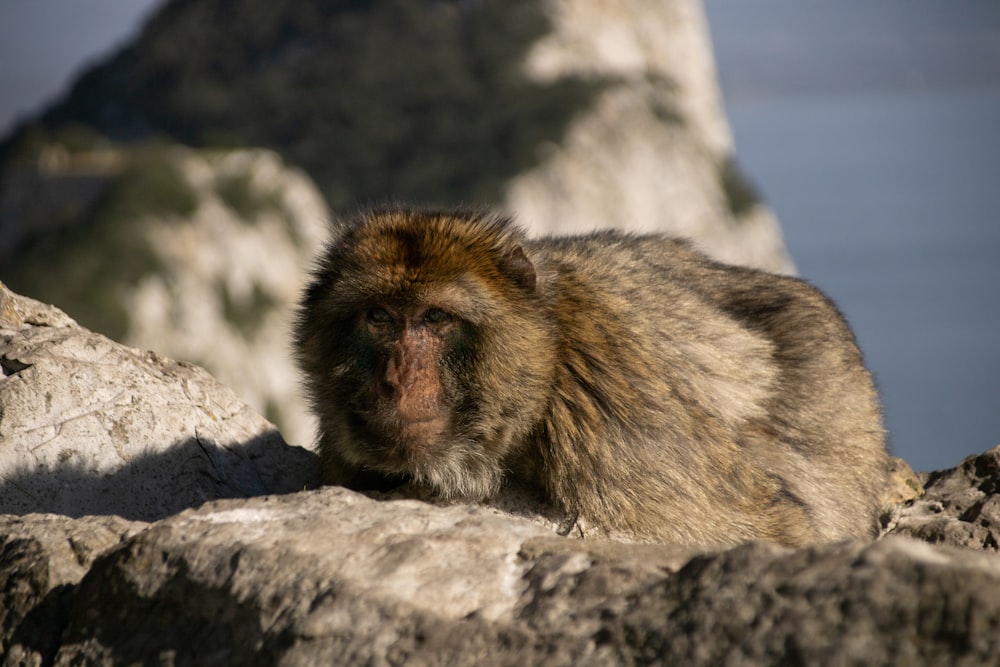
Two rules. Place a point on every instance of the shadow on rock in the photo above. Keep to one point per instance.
(156, 485)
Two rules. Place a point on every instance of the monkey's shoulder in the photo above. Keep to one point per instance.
(607, 243)
(657, 273)
(616, 261)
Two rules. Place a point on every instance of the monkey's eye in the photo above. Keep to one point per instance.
(378, 315)
(437, 316)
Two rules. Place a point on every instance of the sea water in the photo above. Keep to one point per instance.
(890, 203)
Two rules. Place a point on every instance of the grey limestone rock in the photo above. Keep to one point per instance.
(89, 426)
(332, 577)
(42, 559)
(960, 506)
(654, 153)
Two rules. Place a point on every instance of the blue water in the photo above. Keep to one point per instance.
(891, 205)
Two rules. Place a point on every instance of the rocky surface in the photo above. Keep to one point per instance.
(332, 577)
(109, 553)
(89, 426)
(42, 559)
(654, 152)
(960, 506)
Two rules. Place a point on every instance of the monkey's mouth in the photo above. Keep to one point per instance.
(401, 443)
(418, 436)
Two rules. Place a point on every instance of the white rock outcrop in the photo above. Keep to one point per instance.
(89, 426)
(655, 151)
(227, 280)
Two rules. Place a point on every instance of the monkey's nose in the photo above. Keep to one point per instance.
(402, 372)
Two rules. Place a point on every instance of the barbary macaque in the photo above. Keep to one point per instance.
(635, 382)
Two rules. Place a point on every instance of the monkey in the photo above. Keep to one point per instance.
(634, 381)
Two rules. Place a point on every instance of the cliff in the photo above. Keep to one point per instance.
(199, 255)
(573, 115)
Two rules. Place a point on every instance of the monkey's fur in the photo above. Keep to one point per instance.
(635, 381)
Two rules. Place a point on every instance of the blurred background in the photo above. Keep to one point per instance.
(872, 130)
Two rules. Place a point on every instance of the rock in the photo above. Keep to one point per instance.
(260, 574)
(17, 312)
(960, 506)
(330, 576)
(89, 426)
(42, 558)
(903, 484)
(896, 601)
(654, 153)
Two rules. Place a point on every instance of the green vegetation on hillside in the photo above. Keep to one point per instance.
(237, 191)
(412, 99)
(741, 195)
(82, 267)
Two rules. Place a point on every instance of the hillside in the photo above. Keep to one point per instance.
(575, 116)
(414, 99)
(569, 116)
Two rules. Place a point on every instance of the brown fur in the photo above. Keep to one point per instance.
(637, 382)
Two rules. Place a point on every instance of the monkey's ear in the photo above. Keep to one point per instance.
(520, 269)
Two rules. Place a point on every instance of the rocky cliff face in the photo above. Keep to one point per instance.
(90, 426)
(575, 116)
(654, 151)
(128, 563)
(228, 276)
(199, 255)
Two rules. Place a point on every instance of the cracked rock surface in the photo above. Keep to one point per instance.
(333, 577)
(88, 426)
(960, 506)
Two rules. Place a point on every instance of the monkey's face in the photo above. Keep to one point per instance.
(415, 355)
(426, 350)
(419, 406)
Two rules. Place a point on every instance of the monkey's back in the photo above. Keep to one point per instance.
(704, 403)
